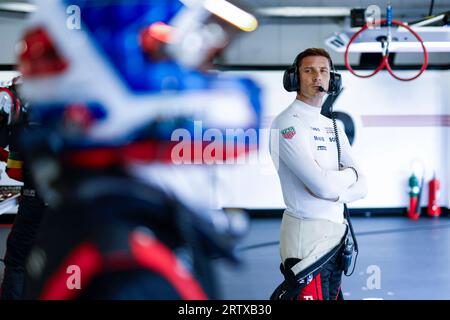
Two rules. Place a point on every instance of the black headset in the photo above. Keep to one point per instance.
(291, 80)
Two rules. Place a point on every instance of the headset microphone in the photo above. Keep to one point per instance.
(332, 92)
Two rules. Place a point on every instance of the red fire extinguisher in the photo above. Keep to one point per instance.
(433, 197)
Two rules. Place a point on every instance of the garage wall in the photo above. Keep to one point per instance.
(11, 30)
(396, 122)
(378, 147)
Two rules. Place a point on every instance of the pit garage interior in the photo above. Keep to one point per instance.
(396, 129)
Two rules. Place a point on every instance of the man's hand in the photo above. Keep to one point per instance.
(342, 167)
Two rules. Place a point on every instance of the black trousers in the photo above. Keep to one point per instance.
(327, 284)
(18, 246)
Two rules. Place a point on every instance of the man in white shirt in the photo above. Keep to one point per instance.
(314, 186)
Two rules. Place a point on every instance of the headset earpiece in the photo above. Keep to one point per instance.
(335, 82)
(290, 79)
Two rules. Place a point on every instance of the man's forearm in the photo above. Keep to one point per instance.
(354, 191)
(322, 198)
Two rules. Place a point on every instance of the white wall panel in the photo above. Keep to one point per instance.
(409, 111)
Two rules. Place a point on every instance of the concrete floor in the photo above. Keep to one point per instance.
(399, 259)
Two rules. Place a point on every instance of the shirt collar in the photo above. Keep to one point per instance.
(306, 109)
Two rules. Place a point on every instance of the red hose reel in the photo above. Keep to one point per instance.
(384, 62)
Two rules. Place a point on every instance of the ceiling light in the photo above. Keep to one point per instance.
(294, 12)
(17, 7)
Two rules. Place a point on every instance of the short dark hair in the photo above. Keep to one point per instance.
(313, 52)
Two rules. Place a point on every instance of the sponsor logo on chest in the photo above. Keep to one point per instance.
(317, 138)
(288, 133)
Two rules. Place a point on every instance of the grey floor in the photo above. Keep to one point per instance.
(399, 259)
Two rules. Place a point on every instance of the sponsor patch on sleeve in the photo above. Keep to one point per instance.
(288, 133)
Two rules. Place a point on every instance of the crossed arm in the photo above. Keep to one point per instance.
(356, 191)
(345, 185)
(296, 153)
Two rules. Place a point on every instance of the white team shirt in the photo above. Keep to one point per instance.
(305, 154)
